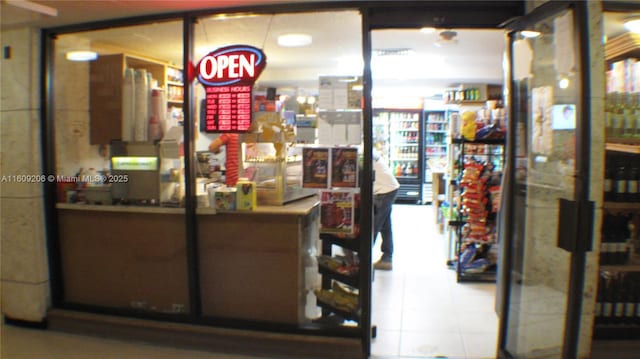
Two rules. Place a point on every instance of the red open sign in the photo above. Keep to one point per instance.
(228, 75)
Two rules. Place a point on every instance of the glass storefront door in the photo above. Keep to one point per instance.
(542, 273)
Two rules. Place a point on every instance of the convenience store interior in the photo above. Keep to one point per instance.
(418, 308)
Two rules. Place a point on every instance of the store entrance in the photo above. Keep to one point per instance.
(424, 83)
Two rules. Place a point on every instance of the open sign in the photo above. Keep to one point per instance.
(231, 65)
(228, 75)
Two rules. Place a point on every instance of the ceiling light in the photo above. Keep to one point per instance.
(530, 33)
(294, 40)
(428, 30)
(633, 25)
(301, 99)
(82, 55)
(447, 38)
(563, 83)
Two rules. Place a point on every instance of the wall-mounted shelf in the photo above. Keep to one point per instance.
(623, 147)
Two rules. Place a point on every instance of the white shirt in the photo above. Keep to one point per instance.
(384, 181)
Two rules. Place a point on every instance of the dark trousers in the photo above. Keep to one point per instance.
(382, 204)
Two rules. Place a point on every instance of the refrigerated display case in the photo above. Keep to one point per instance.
(436, 129)
(403, 147)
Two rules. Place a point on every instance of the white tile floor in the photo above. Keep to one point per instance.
(419, 309)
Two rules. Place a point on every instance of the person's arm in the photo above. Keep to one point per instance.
(215, 145)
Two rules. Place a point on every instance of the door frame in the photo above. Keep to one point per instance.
(581, 206)
(392, 15)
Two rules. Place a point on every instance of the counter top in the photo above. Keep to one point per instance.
(117, 208)
(299, 207)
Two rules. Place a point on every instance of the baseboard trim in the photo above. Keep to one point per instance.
(214, 339)
(26, 323)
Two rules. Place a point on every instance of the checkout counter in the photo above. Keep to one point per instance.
(251, 263)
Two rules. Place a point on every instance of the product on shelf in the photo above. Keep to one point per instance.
(346, 265)
(339, 297)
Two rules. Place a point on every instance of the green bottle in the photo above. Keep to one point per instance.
(629, 117)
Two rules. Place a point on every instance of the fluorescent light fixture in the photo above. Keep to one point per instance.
(633, 25)
(82, 55)
(32, 6)
(428, 30)
(530, 34)
(294, 40)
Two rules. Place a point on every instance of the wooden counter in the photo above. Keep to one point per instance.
(250, 263)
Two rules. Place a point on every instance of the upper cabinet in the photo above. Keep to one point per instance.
(127, 93)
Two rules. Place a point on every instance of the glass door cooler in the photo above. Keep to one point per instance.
(404, 147)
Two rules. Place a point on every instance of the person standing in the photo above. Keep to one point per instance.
(385, 190)
(231, 162)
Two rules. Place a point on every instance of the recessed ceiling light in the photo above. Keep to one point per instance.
(294, 40)
(633, 25)
(428, 30)
(82, 55)
(530, 33)
(563, 83)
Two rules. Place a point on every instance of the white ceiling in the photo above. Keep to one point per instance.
(336, 48)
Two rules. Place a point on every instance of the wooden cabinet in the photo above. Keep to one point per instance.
(106, 92)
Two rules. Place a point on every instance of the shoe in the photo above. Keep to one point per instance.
(383, 264)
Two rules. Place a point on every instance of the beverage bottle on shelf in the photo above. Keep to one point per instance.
(618, 115)
(609, 110)
(629, 120)
(398, 172)
(633, 184)
(408, 171)
(607, 301)
(636, 113)
(636, 319)
(599, 299)
(629, 301)
(604, 246)
(620, 184)
(619, 299)
(404, 169)
(609, 175)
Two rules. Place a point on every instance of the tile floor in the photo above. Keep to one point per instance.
(419, 309)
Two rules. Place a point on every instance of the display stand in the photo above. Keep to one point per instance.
(617, 313)
(339, 296)
(474, 226)
(617, 309)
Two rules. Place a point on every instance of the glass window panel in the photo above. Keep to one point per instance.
(308, 95)
(119, 166)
